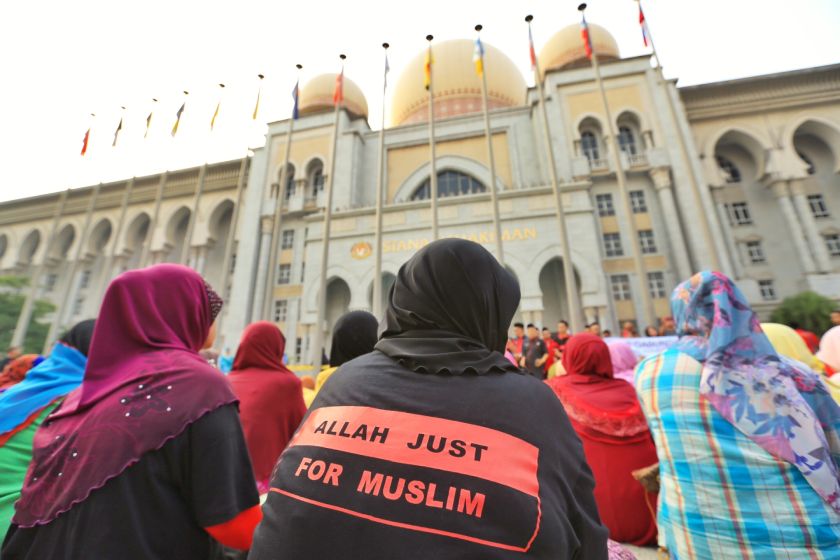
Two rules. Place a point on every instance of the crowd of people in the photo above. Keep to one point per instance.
(428, 433)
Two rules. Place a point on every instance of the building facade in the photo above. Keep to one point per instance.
(758, 158)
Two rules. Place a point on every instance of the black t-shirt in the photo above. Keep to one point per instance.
(533, 350)
(394, 464)
(156, 508)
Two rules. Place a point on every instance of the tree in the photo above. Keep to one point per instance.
(808, 310)
(11, 303)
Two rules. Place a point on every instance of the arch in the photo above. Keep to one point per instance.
(587, 120)
(31, 244)
(220, 219)
(100, 235)
(290, 179)
(314, 176)
(135, 236)
(590, 136)
(629, 130)
(176, 233)
(63, 242)
(633, 116)
(735, 143)
(460, 164)
(4, 244)
(553, 289)
(338, 303)
(449, 183)
(823, 129)
(388, 281)
(589, 274)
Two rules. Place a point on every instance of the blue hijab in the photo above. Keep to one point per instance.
(51, 379)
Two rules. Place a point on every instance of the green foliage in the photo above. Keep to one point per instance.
(808, 310)
(11, 302)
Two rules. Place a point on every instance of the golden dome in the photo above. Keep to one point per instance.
(316, 96)
(457, 88)
(565, 48)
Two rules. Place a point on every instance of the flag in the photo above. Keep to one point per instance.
(85, 142)
(584, 33)
(178, 118)
(531, 50)
(643, 25)
(338, 94)
(387, 69)
(216, 114)
(478, 56)
(117, 133)
(427, 69)
(296, 96)
(256, 106)
(148, 123)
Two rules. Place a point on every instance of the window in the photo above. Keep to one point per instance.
(449, 183)
(638, 202)
(818, 207)
(316, 179)
(730, 172)
(832, 243)
(755, 252)
(288, 239)
(811, 169)
(612, 245)
(77, 306)
(656, 285)
(232, 263)
(281, 309)
(84, 282)
(739, 214)
(627, 140)
(302, 271)
(767, 289)
(589, 145)
(50, 281)
(647, 242)
(284, 272)
(605, 205)
(299, 348)
(620, 287)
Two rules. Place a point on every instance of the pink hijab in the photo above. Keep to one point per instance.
(624, 360)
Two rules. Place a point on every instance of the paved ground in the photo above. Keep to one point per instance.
(645, 553)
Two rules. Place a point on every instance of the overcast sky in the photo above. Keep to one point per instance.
(63, 60)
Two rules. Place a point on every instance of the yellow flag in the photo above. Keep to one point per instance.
(216, 114)
(427, 69)
(478, 57)
(256, 107)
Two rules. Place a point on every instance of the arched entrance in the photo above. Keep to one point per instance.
(338, 303)
(388, 281)
(553, 288)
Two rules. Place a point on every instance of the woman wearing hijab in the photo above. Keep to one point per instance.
(24, 406)
(435, 445)
(354, 335)
(605, 413)
(789, 343)
(16, 370)
(146, 459)
(829, 353)
(270, 397)
(748, 442)
(623, 360)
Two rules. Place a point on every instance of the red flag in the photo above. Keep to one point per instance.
(643, 25)
(85, 142)
(587, 42)
(338, 95)
(532, 52)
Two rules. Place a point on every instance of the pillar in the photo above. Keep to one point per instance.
(661, 178)
(815, 240)
(726, 228)
(797, 234)
(262, 267)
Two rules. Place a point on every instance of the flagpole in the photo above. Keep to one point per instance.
(433, 182)
(150, 233)
(692, 179)
(199, 190)
(105, 275)
(494, 199)
(316, 350)
(380, 184)
(638, 260)
(568, 265)
(29, 303)
(271, 273)
(71, 274)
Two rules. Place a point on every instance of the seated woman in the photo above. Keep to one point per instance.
(24, 406)
(354, 335)
(270, 397)
(789, 343)
(146, 459)
(623, 360)
(748, 443)
(435, 445)
(606, 415)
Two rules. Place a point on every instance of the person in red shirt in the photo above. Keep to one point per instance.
(628, 330)
(550, 347)
(514, 345)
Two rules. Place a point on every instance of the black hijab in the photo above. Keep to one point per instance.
(79, 336)
(449, 311)
(354, 335)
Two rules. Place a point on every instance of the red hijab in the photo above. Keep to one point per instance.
(16, 370)
(270, 397)
(596, 402)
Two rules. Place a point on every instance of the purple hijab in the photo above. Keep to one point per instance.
(144, 384)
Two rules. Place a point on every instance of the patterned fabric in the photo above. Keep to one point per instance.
(722, 496)
(754, 389)
(216, 301)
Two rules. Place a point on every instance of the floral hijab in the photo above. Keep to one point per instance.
(777, 403)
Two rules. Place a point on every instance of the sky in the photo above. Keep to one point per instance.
(64, 60)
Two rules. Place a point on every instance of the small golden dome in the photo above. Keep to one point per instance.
(565, 48)
(457, 88)
(316, 96)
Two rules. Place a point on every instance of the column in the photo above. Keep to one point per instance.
(782, 194)
(726, 228)
(262, 267)
(815, 240)
(200, 258)
(591, 314)
(661, 178)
